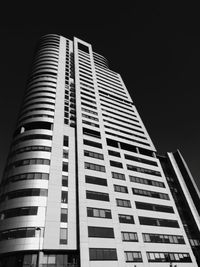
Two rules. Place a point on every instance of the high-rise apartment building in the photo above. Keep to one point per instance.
(83, 185)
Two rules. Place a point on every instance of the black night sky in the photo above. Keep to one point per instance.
(154, 46)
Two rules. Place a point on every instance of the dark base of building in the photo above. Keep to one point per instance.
(44, 259)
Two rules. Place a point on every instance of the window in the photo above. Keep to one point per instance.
(65, 141)
(117, 175)
(116, 164)
(161, 238)
(133, 256)
(126, 218)
(65, 180)
(22, 211)
(95, 167)
(63, 215)
(154, 207)
(97, 195)
(27, 176)
(93, 154)
(63, 236)
(143, 170)
(91, 143)
(146, 161)
(123, 203)
(99, 213)
(83, 48)
(114, 153)
(32, 148)
(18, 233)
(65, 154)
(89, 111)
(103, 254)
(90, 123)
(92, 133)
(148, 193)
(102, 232)
(24, 193)
(90, 117)
(129, 236)
(126, 138)
(28, 162)
(140, 180)
(64, 196)
(168, 257)
(65, 167)
(158, 222)
(120, 188)
(95, 180)
(112, 143)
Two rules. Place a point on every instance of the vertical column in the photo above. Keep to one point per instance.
(52, 224)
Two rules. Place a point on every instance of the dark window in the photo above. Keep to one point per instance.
(116, 164)
(95, 167)
(148, 193)
(91, 133)
(64, 180)
(120, 188)
(114, 153)
(168, 257)
(95, 180)
(129, 236)
(25, 193)
(90, 117)
(162, 238)
(140, 180)
(63, 236)
(65, 154)
(93, 154)
(99, 213)
(102, 232)
(103, 254)
(126, 218)
(65, 166)
(28, 176)
(83, 48)
(146, 161)
(97, 196)
(32, 161)
(128, 147)
(18, 233)
(154, 207)
(123, 203)
(133, 256)
(31, 148)
(91, 143)
(117, 175)
(111, 142)
(65, 141)
(90, 123)
(64, 197)
(158, 222)
(34, 125)
(63, 215)
(23, 211)
(146, 152)
(143, 170)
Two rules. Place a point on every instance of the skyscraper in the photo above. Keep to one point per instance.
(83, 185)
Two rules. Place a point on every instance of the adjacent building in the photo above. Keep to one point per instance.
(83, 184)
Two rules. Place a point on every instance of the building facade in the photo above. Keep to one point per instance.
(83, 185)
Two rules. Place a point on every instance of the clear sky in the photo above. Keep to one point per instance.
(155, 47)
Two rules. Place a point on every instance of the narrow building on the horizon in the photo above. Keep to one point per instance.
(83, 185)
